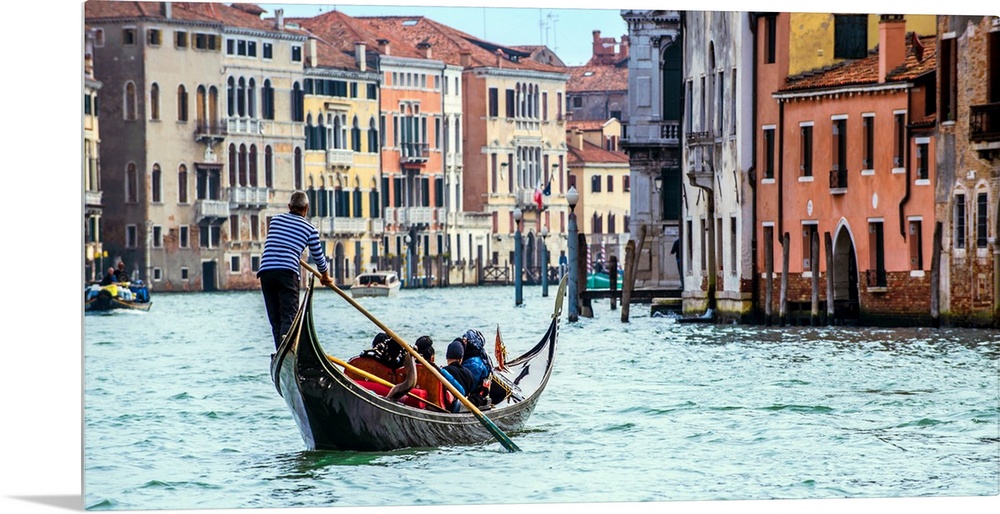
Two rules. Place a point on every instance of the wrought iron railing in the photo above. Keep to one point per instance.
(838, 180)
(984, 122)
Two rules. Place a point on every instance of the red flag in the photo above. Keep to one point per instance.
(538, 197)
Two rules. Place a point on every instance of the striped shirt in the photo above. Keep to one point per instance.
(288, 235)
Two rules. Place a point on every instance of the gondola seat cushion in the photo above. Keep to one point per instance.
(382, 390)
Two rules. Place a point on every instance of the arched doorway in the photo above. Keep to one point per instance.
(846, 305)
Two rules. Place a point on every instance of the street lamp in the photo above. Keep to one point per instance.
(518, 297)
(572, 196)
(545, 262)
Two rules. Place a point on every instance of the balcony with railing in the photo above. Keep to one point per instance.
(211, 210)
(93, 198)
(984, 122)
(416, 215)
(482, 220)
(344, 225)
(838, 181)
(656, 133)
(238, 125)
(413, 152)
(211, 132)
(376, 226)
(248, 197)
(339, 157)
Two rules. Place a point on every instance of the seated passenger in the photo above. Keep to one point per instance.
(478, 363)
(460, 377)
(109, 277)
(386, 350)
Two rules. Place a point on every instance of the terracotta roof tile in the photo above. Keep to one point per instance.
(209, 12)
(865, 71)
(591, 153)
(597, 77)
(342, 32)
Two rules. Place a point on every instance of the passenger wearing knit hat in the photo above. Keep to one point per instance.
(456, 350)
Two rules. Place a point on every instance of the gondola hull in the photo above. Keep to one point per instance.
(333, 412)
(106, 303)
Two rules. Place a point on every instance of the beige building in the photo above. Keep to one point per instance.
(201, 109)
(93, 250)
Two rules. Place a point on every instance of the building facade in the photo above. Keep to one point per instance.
(651, 138)
(598, 90)
(967, 191)
(847, 174)
(717, 157)
(93, 249)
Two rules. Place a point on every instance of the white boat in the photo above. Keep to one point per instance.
(375, 283)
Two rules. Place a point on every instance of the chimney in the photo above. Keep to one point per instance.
(168, 10)
(465, 58)
(597, 46)
(891, 44)
(359, 55)
(383, 46)
(279, 19)
(426, 47)
(579, 138)
(624, 47)
(311, 57)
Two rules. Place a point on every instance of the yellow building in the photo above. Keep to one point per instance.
(600, 172)
(342, 166)
(818, 40)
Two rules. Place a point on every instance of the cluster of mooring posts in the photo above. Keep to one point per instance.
(580, 298)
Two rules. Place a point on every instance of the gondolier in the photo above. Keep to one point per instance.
(288, 235)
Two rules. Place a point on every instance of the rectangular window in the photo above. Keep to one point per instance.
(234, 227)
(595, 184)
(959, 221)
(268, 50)
(981, 216)
(131, 236)
(876, 255)
(234, 263)
(254, 263)
(806, 151)
(184, 274)
(625, 184)
(241, 47)
(296, 53)
(252, 48)
(154, 37)
(769, 153)
(838, 154)
(371, 91)
(689, 245)
(771, 28)
(157, 274)
(899, 139)
(922, 159)
(850, 34)
(181, 39)
(808, 259)
(254, 227)
(183, 237)
(948, 72)
(354, 89)
(868, 162)
(157, 236)
(494, 102)
(732, 245)
(510, 103)
(128, 36)
(916, 235)
(611, 184)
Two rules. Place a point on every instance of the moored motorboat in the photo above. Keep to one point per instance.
(121, 295)
(375, 283)
(335, 410)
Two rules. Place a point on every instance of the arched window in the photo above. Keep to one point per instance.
(298, 102)
(268, 166)
(131, 184)
(182, 184)
(231, 97)
(182, 103)
(129, 101)
(252, 99)
(298, 168)
(321, 135)
(213, 107)
(253, 165)
(154, 102)
(356, 136)
(155, 184)
(267, 100)
(232, 165)
(243, 165)
(199, 108)
(241, 98)
(372, 136)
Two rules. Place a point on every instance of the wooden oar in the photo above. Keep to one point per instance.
(380, 380)
(492, 427)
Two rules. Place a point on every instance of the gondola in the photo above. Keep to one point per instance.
(125, 296)
(336, 412)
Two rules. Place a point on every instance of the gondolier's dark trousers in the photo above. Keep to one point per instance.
(281, 299)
